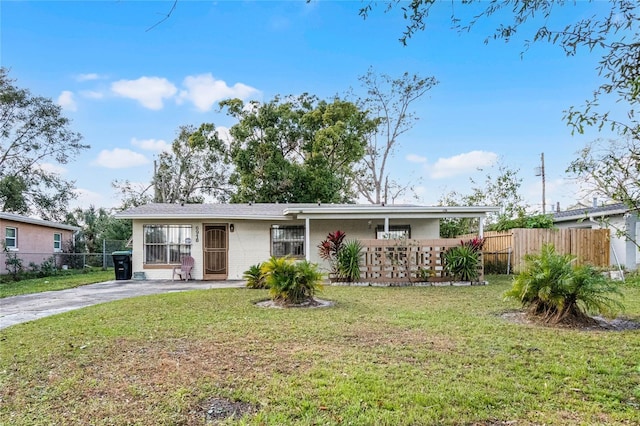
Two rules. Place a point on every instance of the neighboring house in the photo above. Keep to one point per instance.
(32, 240)
(622, 222)
(226, 239)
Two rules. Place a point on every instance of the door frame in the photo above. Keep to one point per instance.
(206, 276)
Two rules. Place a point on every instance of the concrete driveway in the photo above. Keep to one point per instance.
(29, 307)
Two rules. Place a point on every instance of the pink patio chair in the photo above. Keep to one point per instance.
(184, 270)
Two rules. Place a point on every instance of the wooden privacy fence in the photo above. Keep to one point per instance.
(396, 261)
(509, 248)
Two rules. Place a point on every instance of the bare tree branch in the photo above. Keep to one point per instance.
(167, 16)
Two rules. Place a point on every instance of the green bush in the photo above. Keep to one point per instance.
(557, 291)
(461, 262)
(255, 277)
(13, 264)
(348, 261)
(632, 278)
(330, 247)
(544, 221)
(291, 282)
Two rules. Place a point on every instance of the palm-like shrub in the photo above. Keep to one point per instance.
(348, 260)
(462, 262)
(291, 282)
(255, 277)
(557, 291)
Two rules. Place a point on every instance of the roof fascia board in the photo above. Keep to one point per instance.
(159, 216)
(40, 222)
(387, 210)
(587, 215)
(390, 215)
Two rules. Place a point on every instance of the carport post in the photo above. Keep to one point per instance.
(307, 240)
(481, 227)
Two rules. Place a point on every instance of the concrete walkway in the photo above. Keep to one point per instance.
(29, 307)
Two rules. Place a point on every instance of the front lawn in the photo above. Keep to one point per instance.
(63, 281)
(383, 356)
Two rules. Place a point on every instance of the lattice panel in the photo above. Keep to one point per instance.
(404, 260)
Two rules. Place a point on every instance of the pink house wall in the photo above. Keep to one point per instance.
(35, 242)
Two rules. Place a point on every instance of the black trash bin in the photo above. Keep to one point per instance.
(122, 264)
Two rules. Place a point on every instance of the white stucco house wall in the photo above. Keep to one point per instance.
(226, 239)
(622, 222)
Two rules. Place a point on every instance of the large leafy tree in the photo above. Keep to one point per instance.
(97, 224)
(389, 101)
(197, 167)
(33, 135)
(611, 170)
(500, 187)
(296, 149)
(195, 170)
(610, 29)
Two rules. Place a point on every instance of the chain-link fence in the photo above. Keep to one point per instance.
(32, 261)
(498, 262)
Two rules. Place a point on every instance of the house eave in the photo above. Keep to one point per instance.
(390, 212)
(329, 212)
(586, 215)
(40, 222)
(204, 217)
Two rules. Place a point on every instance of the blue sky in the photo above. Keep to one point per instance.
(127, 88)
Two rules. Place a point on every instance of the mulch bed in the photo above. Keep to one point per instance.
(219, 409)
(600, 324)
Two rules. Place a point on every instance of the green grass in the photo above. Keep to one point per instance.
(57, 282)
(383, 356)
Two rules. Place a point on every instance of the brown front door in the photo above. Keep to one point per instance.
(215, 252)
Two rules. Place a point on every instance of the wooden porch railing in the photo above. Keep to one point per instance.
(401, 261)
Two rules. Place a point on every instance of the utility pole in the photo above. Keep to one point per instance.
(540, 172)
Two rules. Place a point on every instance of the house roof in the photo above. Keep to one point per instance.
(581, 213)
(275, 211)
(24, 219)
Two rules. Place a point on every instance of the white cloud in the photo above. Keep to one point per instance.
(204, 91)
(119, 158)
(53, 168)
(461, 164)
(567, 192)
(86, 198)
(149, 91)
(66, 101)
(420, 190)
(92, 94)
(158, 145)
(88, 77)
(415, 158)
(224, 134)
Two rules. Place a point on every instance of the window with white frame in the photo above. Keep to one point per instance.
(166, 244)
(287, 241)
(395, 232)
(11, 238)
(57, 242)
